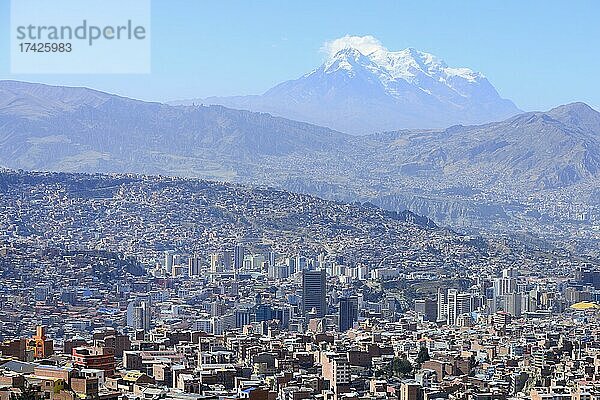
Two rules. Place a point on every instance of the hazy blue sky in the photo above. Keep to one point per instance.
(537, 53)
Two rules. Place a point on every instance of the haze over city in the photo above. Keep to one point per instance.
(224, 200)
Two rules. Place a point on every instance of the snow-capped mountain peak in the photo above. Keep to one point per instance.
(411, 65)
(347, 59)
(362, 87)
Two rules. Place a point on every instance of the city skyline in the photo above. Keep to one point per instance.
(366, 208)
(182, 289)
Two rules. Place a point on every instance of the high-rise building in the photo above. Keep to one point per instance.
(179, 270)
(510, 273)
(238, 258)
(216, 263)
(314, 292)
(282, 272)
(228, 260)
(426, 308)
(279, 271)
(264, 312)
(458, 304)
(256, 261)
(242, 317)
(514, 304)
(363, 272)
(291, 263)
(442, 304)
(301, 263)
(531, 301)
(272, 258)
(504, 285)
(168, 261)
(321, 260)
(194, 265)
(348, 313)
(139, 313)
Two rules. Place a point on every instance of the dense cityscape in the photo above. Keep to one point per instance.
(299, 200)
(138, 287)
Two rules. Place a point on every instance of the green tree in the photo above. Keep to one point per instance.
(423, 355)
(401, 367)
(472, 361)
(27, 393)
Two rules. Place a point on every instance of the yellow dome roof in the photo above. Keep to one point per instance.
(584, 305)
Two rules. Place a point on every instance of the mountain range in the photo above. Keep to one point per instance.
(517, 174)
(57, 128)
(378, 91)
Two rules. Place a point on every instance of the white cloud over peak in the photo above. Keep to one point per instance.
(365, 44)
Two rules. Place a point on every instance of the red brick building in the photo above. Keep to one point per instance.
(95, 357)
